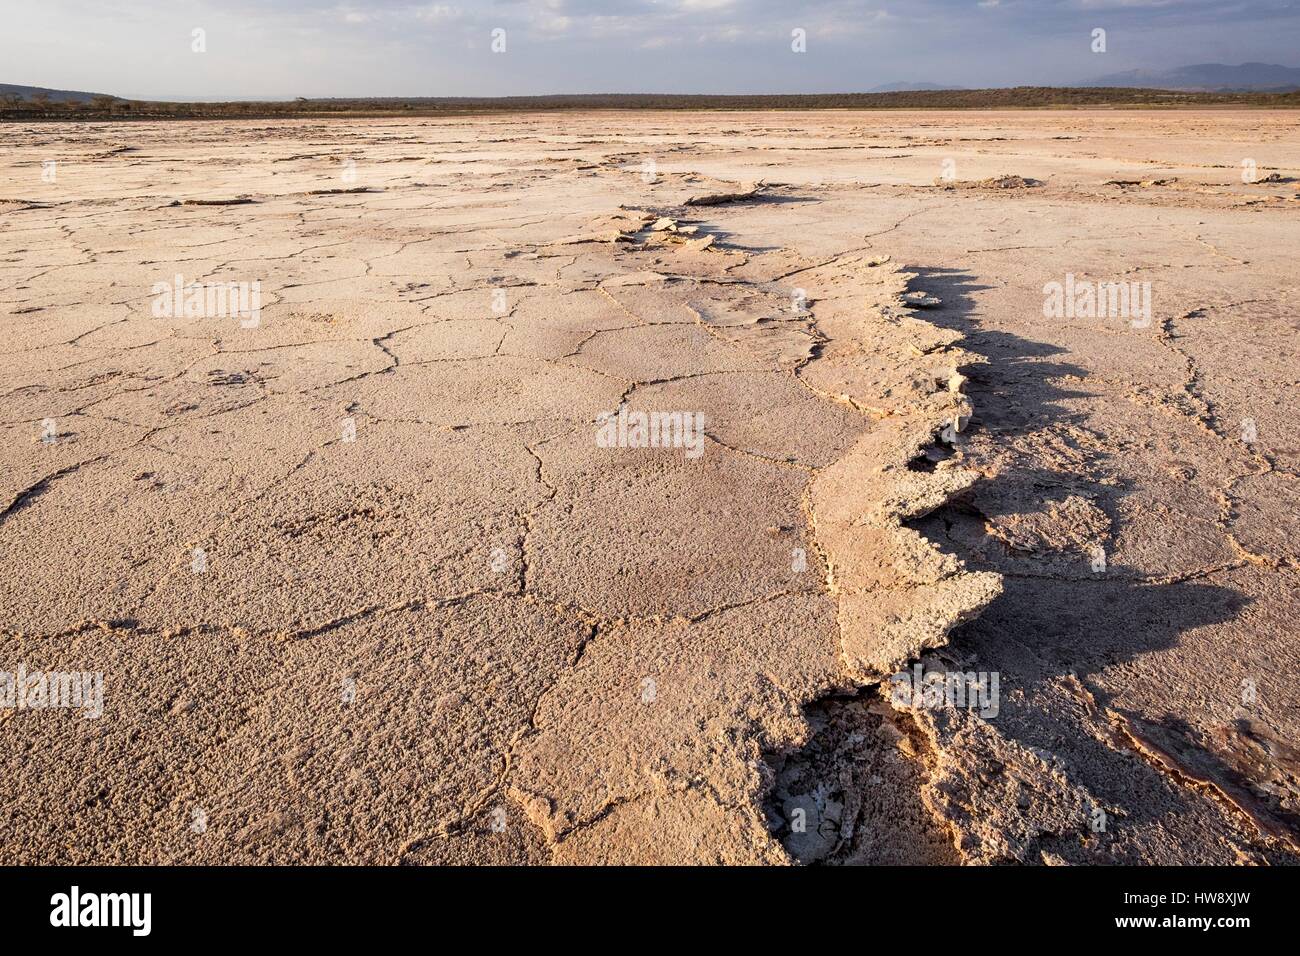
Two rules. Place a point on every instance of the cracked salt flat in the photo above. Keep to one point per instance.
(498, 589)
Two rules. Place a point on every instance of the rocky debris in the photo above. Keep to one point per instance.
(339, 191)
(993, 182)
(671, 227)
(640, 230)
(748, 191)
(237, 201)
(921, 300)
(668, 231)
(1008, 182)
(1143, 183)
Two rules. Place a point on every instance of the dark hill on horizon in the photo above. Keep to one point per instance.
(54, 96)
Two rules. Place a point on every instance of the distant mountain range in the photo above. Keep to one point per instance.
(1210, 78)
(55, 96)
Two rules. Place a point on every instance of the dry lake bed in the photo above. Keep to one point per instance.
(845, 487)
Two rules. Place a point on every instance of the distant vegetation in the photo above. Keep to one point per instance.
(38, 106)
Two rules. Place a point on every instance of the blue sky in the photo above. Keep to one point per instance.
(287, 48)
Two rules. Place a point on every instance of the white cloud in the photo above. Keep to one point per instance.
(438, 13)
